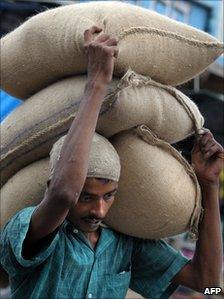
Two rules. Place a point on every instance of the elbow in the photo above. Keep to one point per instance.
(66, 187)
(64, 195)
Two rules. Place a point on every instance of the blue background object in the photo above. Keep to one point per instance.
(8, 103)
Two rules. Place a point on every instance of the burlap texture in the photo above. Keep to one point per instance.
(103, 159)
(29, 132)
(26, 188)
(158, 194)
(46, 48)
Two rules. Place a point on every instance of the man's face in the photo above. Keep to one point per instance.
(94, 202)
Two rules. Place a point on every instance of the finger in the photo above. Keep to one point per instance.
(102, 38)
(116, 52)
(210, 151)
(111, 42)
(197, 142)
(202, 131)
(208, 145)
(206, 137)
(220, 155)
(88, 34)
(113, 50)
(196, 147)
(213, 151)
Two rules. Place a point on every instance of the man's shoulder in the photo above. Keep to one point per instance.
(21, 216)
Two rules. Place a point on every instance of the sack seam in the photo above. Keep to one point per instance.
(163, 33)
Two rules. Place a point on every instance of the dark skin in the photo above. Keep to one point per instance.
(206, 266)
(95, 201)
(70, 173)
(69, 186)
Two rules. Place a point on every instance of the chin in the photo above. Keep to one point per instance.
(88, 228)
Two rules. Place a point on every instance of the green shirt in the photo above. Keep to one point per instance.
(68, 266)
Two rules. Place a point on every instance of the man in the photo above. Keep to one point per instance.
(59, 250)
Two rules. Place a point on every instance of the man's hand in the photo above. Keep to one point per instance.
(207, 158)
(70, 172)
(205, 269)
(101, 54)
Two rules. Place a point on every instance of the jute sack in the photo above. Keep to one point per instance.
(158, 194)
(26, 188)
(29, 132)
(46, 48)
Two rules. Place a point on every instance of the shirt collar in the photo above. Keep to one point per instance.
(106, 237)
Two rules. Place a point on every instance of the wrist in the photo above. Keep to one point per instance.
(210, 194)
(95, 92)
(206, 184)
(93, 84)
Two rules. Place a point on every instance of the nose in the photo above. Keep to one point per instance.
(98, 208)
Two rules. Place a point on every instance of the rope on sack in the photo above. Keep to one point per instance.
(163, 33)
(148, 136)
(131, 79)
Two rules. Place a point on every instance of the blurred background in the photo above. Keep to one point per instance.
(205, 90)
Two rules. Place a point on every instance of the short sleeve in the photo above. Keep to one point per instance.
(12, 238)
(154, 264)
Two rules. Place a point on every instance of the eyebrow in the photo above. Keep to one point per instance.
(92, 194)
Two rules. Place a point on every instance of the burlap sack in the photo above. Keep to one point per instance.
(26, 188)
(46, 47)
(29, 132)
(158, 194)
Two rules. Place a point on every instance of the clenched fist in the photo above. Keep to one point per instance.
(101, 53)
(207, 158)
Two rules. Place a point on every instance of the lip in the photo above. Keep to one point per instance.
(92, 221)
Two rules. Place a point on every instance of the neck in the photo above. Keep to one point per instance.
(92, 237)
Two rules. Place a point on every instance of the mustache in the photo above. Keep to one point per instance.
(93, 217)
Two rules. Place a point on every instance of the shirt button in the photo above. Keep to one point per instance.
(90, 295)
(75, 231)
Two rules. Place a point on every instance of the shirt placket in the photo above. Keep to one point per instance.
(92, 288)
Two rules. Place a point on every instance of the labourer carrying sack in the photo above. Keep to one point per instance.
(59, 249)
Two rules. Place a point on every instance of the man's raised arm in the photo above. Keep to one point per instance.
(71, 169)
(205, 269)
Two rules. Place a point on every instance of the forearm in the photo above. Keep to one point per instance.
(70, 172)
(208, 255)
(71, 169)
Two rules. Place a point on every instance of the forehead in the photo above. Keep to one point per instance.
(99, 186)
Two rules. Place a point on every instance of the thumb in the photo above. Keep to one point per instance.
(196, 148)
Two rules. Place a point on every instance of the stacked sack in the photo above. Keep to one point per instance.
(43, 62)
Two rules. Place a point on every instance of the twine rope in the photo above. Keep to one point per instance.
(146, 134)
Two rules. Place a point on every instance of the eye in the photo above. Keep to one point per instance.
(109, 196)
(85, 198)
